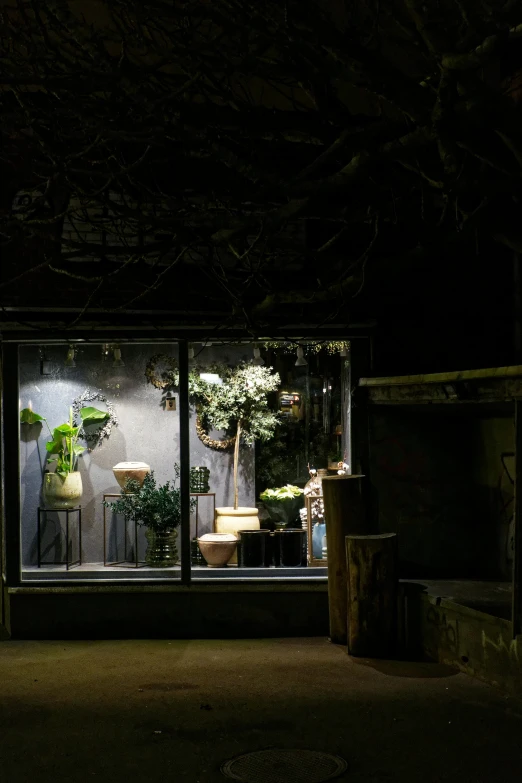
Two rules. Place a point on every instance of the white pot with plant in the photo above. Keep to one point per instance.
(63, 488)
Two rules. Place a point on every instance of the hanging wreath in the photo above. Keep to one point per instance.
(170, 378)
(160, 382)
(211, 443)
(95, 435)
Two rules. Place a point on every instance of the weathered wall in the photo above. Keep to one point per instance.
(246, 611)
(494, 436)
(437, 480)
(145, 432)
(476, 643)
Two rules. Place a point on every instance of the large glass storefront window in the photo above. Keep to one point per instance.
(100, 458)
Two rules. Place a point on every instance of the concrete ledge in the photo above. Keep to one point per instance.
(476, 643)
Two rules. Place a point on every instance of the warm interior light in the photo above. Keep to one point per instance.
(211, 377)
(301, 361)
(69, 361)
(117, 358)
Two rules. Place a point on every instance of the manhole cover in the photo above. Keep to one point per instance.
(284, 766)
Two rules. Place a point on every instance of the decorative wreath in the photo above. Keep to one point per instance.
(95, 435)
(217, 445)
(163, 383)
(150, 370)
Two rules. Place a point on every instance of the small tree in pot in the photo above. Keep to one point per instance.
(237, 404)
(235, 401)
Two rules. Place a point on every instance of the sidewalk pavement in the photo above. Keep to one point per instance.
(159, 711)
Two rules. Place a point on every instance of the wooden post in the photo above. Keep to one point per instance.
(517, 553)
(372, 594)
(344, 514)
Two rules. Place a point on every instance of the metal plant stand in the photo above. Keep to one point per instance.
(135, 562)
(199, 495)
(196, 558)
(42, 521)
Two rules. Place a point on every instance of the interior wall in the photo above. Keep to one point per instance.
(435, 478)
(145, 432)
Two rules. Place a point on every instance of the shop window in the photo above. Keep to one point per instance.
(100, 457)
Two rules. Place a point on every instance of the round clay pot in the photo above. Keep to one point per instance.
(232, 520)
(217, 548)
(130, 470)
(61, 492)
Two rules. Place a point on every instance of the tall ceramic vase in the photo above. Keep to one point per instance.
(61, 492)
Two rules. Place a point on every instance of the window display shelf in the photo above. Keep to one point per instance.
(99, 572)
(250, 574)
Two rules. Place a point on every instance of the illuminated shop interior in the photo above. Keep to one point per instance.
(102, 449)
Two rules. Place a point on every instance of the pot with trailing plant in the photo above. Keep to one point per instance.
(158, 508)
(283, 504)
(63, 487)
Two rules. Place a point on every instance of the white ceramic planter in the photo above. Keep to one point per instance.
(217, 548)
(232, 520)
(61, 492)
(130, 470)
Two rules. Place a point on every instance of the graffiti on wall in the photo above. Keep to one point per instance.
(447, 632)
(500, 645)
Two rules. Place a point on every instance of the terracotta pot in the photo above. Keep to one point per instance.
(61, 492)
(232, 520)
(130, 470)
(217, 549)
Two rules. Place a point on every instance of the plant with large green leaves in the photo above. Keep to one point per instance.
(63, 449)
(235, 400)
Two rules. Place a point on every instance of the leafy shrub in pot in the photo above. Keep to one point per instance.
(283, 504)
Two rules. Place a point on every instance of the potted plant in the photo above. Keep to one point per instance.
(239, 406)
(158, 508)
(63, 488)
(283, 504)
(233, 399)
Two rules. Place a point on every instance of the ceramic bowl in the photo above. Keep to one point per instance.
(130, 470)
(217, 548)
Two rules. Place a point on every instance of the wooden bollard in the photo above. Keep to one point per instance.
(372, 595)
(344, 514)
